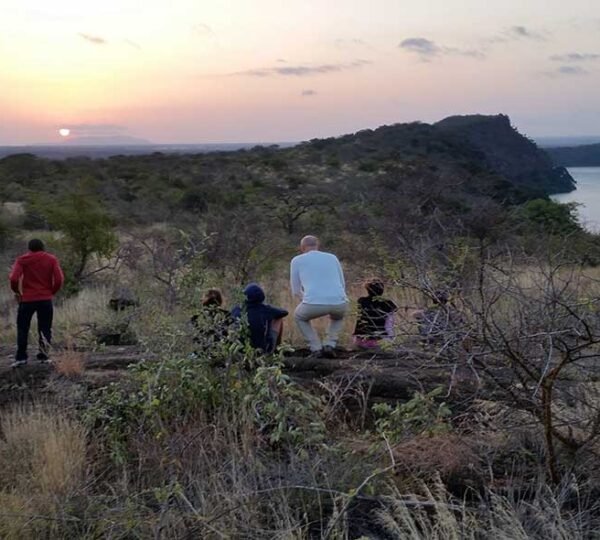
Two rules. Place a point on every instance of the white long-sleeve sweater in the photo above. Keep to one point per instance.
(317, 277)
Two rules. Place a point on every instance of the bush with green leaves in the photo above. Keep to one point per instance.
(282, 411)
(422, 415)
(552, 217)
(218, 380)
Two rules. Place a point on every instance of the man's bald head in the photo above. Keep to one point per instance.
(309, 243)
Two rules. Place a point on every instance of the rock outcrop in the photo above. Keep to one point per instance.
(505, 151)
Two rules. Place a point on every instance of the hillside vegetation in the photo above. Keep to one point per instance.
(146, 427)
(452, 178)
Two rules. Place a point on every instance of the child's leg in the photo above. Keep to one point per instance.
(276, 332)
(365, 343)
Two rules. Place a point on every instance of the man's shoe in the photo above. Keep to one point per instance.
(328, 352)
(43, 358)
(18, 363)
(316, 354)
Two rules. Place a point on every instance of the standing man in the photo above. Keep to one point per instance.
(35, 278)
(317, 280)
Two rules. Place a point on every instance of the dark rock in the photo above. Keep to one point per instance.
(122, 299)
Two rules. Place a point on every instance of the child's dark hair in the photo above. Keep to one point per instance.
(212, 297)
(374, 287)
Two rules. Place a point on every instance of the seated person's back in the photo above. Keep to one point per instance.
(441, 322)
(213, 319)
(261, 318)
(318, 277)
(375, 316)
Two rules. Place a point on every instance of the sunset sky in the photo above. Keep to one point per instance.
(284, 70)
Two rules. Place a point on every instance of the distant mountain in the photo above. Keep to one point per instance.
(576, 156)
(106, 140)
(554, 142)
(64, 151)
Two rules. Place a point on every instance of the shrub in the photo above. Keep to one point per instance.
(221, 380)
(552, 217)
(69, 363)
(421, 415)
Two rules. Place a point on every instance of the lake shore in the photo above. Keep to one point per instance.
(587, 195)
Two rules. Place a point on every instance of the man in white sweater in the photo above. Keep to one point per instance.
(317, 280)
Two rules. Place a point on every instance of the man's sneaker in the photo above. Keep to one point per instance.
(19, 363)
(316, 354)
(43, 358)
(328, 352)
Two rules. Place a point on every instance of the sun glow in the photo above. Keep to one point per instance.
(64, 132)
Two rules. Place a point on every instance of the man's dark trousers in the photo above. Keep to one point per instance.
(44, 311)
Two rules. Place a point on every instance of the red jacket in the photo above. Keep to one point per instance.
(36, 276)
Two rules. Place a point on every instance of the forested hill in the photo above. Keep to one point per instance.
(453, 164)
(509, 153)
(576, 156)
(484, 143)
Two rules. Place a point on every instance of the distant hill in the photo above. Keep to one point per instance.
(476, 143)
(453, 168)
(106, 140)
(555, 142)
(576, 156)
(64, 151)
(509, 153)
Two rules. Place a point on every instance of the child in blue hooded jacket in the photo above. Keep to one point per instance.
(265, 322)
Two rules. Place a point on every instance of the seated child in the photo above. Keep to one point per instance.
(213, 316)
(265, 322)
(375, 320)
(442, 323)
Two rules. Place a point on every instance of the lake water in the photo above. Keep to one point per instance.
(587, 194)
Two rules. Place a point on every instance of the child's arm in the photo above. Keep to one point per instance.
(277, 313)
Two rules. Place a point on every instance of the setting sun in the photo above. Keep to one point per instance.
(64, 132)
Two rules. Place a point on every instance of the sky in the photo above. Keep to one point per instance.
(203, 71)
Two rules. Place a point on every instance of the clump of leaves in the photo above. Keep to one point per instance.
(422, 415)
(282, 410)
(224, 382)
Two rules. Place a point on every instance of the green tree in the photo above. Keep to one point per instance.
(87, 228)
(553, 217)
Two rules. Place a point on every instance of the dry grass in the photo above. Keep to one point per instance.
(69, 363)
(42, 453)
(72, 316)
(448, 456)
(42, 469)
(80, 311)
